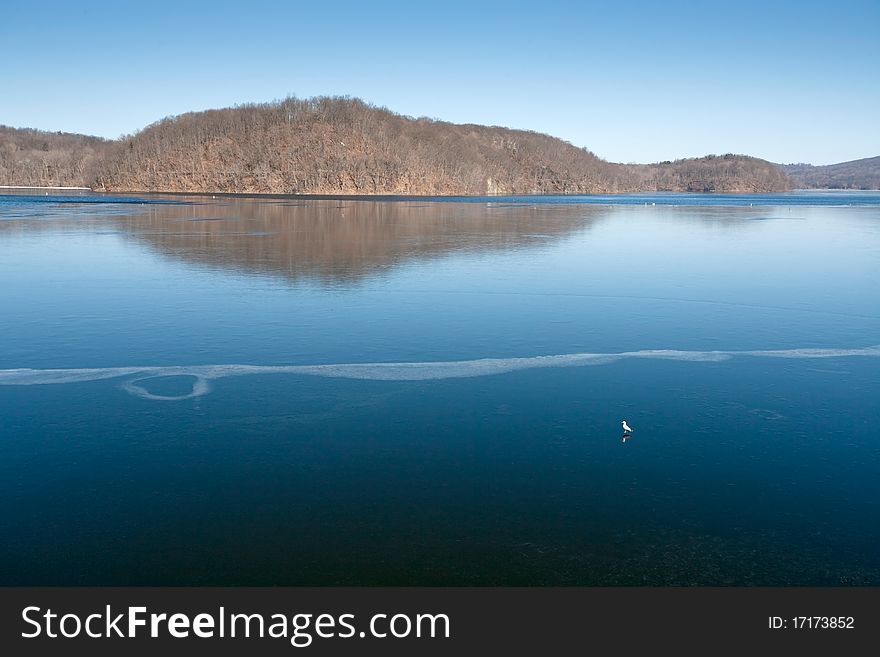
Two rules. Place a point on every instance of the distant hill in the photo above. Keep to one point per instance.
(712, 173)
(345, 146)
(855, 174)
(35, 157)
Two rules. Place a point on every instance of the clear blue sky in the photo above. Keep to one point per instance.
(632, 81)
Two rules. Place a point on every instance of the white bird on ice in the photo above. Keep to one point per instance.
(626, 427)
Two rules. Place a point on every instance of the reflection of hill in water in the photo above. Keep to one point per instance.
(344, 240)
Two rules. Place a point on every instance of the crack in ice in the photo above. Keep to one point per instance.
(406, 371)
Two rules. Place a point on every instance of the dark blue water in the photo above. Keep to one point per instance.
(155, 457)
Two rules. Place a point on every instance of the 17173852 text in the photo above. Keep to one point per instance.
(811, 623)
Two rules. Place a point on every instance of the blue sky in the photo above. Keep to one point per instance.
(632, 81)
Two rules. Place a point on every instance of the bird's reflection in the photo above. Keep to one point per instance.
(627, 430)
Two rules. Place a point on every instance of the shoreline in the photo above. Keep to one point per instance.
(80, 189)
(464, 198)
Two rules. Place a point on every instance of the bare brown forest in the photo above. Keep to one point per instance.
(857, 174)
(345, 146)
(34, 157)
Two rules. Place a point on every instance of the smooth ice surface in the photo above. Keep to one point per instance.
(429, 391)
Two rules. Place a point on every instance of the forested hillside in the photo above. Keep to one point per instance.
(35, 157)
(345, 146)
(855, 174)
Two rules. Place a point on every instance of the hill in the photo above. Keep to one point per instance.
(345, 146)
(38, 158)
(855, 174)
(712, 173)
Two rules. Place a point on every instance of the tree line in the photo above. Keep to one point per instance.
(856, 174)
(39, 158)
(341, 145)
